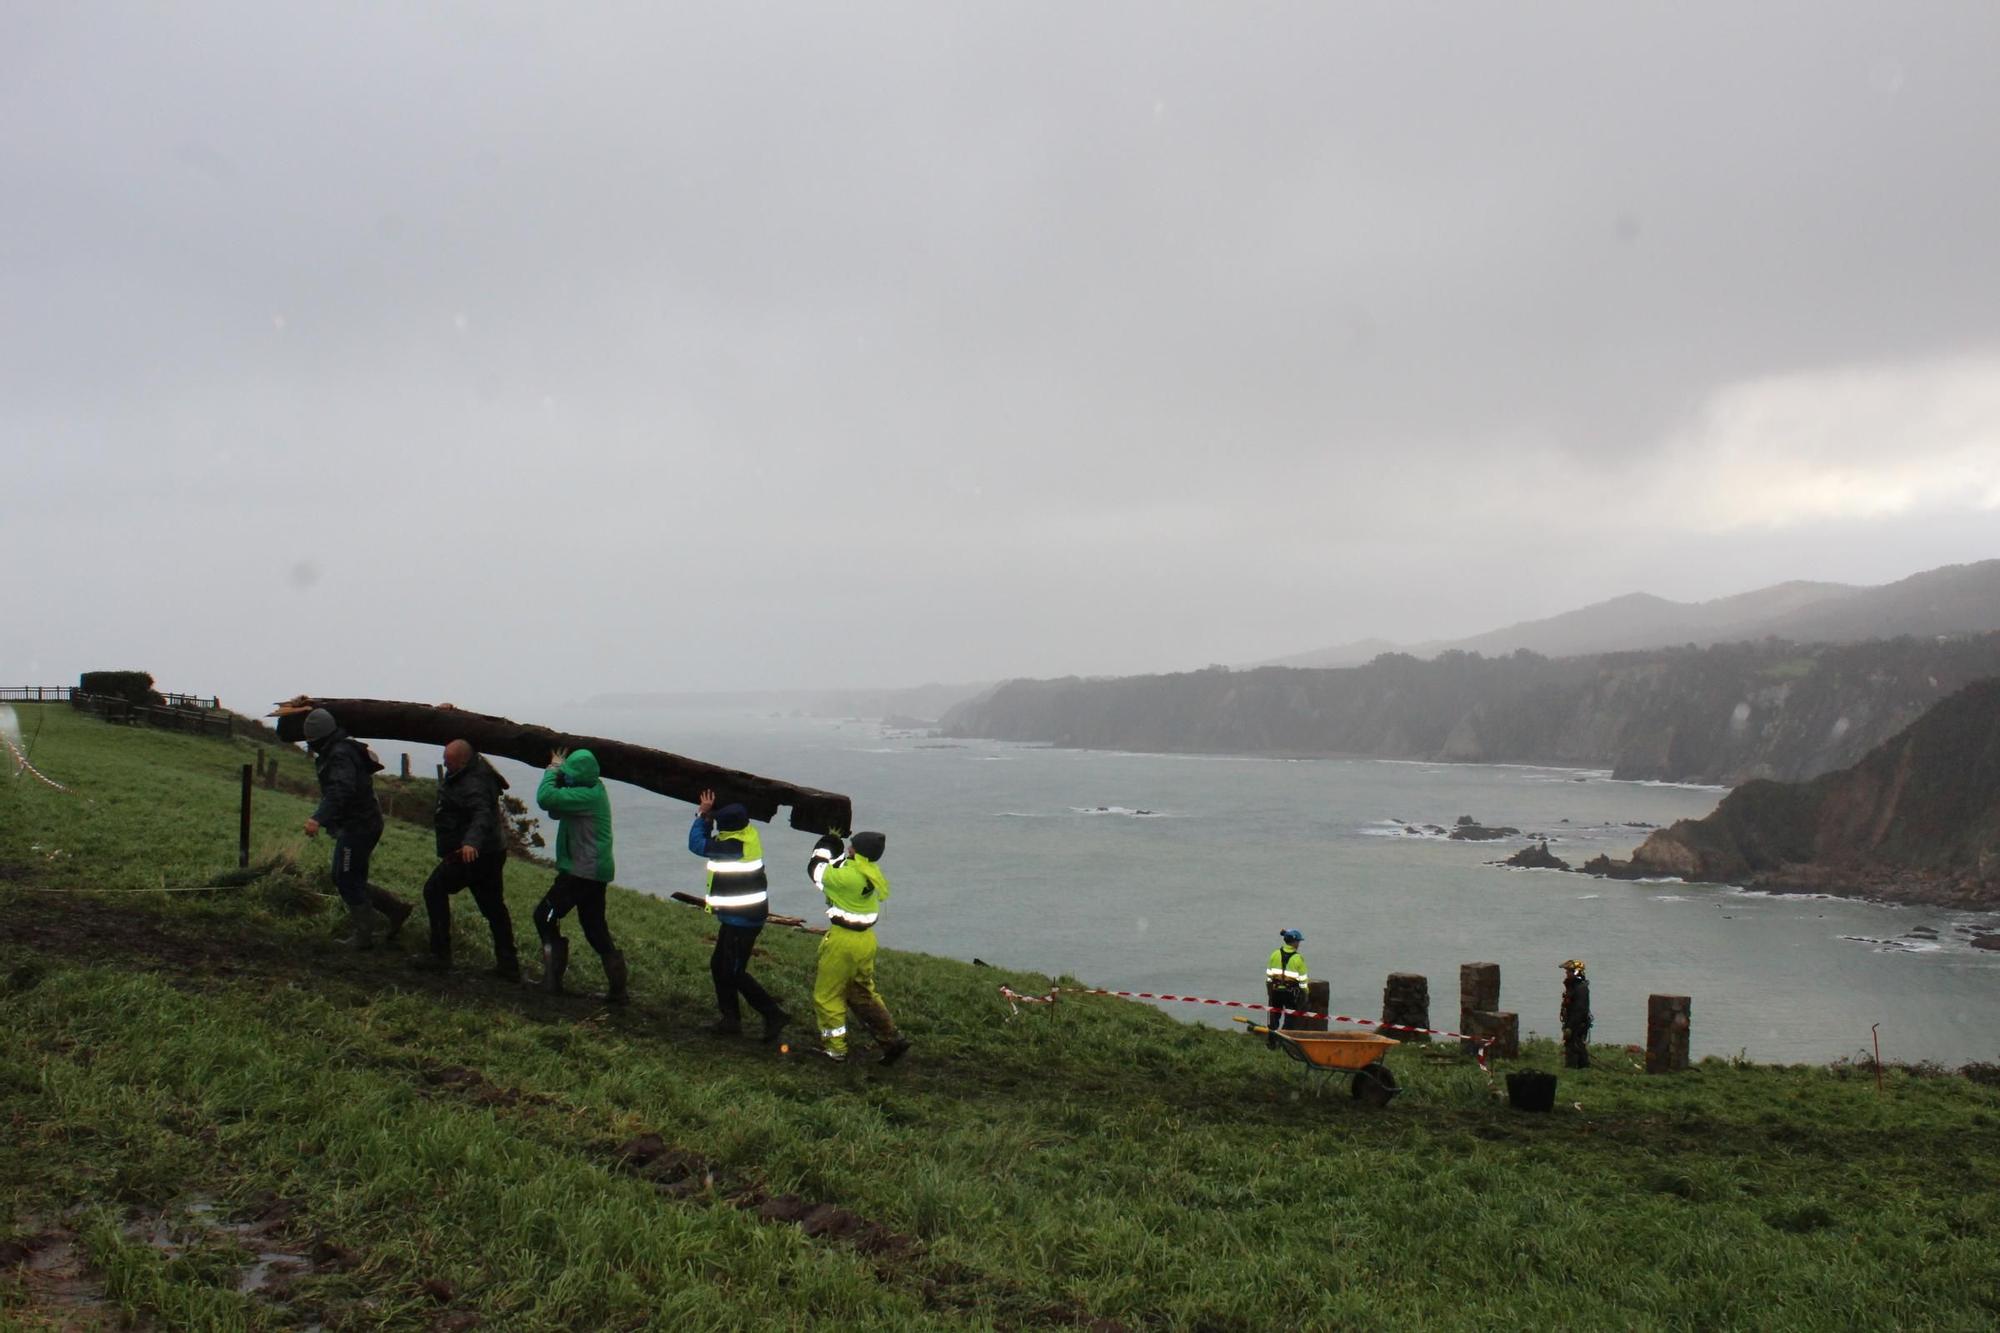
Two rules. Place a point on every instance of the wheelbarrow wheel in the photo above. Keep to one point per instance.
(1374, 1084)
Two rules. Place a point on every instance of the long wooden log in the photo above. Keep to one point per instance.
(776, 919)
(669, 774)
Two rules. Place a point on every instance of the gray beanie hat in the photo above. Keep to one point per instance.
(319, 724)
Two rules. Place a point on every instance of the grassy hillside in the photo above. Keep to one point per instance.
(217, 1118)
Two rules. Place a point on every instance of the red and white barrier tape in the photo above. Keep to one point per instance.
(22, 760)
(1016, 999)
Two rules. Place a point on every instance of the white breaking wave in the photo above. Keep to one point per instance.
(1896, 946)
(1396, 828)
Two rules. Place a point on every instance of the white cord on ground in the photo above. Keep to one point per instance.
(10, 736)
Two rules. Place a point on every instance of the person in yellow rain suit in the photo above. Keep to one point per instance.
(1284, 981)
(851, 878)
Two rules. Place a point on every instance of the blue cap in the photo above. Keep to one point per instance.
(732, 817)
(1292, 936)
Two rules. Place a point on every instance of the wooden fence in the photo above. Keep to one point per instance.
(180, 712)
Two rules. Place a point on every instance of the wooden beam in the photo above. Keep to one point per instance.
(669, 774)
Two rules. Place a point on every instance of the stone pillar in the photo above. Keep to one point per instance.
(1319, 999)
(1503, 1027)
(1478, 991)
(1406, 1001)
(1667, 1033)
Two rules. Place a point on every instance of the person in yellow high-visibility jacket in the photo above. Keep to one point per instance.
(1284, 981)
(851, 878)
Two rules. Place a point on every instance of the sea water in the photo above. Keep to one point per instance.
(1174, 874)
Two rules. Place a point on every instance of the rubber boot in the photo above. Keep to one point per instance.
(506, 962)
(616, 974)
(365, 921)
(393, 909)
(895, 1049)
(555, 961)
(775, 1022)
(433, 961)
(729, 1025)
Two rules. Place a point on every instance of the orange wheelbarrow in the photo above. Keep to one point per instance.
(1344, 1050)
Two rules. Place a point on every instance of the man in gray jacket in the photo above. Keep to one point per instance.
(472, 854)
(348, 809)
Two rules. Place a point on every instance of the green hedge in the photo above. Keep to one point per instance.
(132, 686)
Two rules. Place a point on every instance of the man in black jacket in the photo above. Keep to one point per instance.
(1575, 1016)
(472, 852)
(348, 809)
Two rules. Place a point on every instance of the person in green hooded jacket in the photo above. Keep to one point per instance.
(573, 793)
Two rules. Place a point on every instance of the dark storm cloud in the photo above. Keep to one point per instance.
(1058, 337)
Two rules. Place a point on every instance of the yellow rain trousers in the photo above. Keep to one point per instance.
(846, 981)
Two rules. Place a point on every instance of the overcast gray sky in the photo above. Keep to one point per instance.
(508, 353)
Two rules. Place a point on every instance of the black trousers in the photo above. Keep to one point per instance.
(1576, 1048)
(587, 897)
(1283, 996)
(730, 966)
(487, 878)
(352, 847)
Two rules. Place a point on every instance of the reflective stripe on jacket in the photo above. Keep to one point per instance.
(737, 883)
(1286, 965)
(855, 888)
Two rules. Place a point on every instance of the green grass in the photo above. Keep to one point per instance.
(447, 1148)
(1792, 668)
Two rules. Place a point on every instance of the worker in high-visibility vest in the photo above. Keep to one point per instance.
(851, 878)
(739, 895)
(1284, 981)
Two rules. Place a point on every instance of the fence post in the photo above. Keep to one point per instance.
(1478, 992)
(243, 828)
(1667, 1033)
(406, 766)
(1406, 1004)
(1319, 999)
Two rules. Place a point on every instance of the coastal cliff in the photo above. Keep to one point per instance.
(1723, 714)
(1916, 820)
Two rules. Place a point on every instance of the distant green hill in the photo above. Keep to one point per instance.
(213, 1117)
(1952, 599)
(1726, 713)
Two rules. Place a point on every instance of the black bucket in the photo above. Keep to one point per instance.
(1529, 1091)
